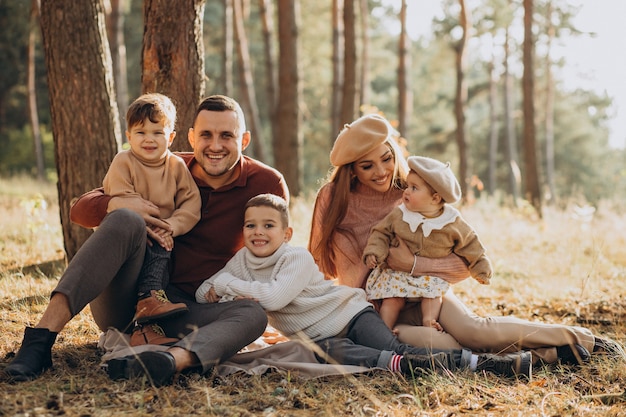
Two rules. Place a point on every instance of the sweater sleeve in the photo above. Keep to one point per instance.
(187, 201)
(89, 209)
(380, 239)
(290, 277)
(472, 250)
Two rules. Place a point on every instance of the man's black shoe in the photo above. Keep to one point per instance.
(159, 368)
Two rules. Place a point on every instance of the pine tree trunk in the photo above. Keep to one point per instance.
(531, 175)
(267, 13)
(85, 122)
(348, 104)
(287, 140)
(337, 63)
(227, 53)
(405, 97)
(173, 58)
(249, 102)
(460, 101)
(511, 137)
(363, 93)
(32, 92)
(115, 34)
(493, 129)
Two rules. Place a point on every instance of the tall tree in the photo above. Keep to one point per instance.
(364, 84)
(511, 137)
(493, 128)
(82, 102)
(405, 97)
(249, 102)
(266, 10)
(287, 141)
(115, 11)
(227, 51)
(337, 68)
(531, 174)
(173, 58)
(549, 110)
(460, 99)
(32, 93)
(348, 96)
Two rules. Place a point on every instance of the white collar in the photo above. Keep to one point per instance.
(414, 219)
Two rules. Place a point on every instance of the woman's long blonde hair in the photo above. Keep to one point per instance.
(344, 182)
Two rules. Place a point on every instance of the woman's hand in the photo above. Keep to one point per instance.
(451, 268)
(400, 257)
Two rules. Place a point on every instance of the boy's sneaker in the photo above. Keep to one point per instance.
(158, 367)
(157, 306)
(150, 334)
(412, 364)
(510, 364)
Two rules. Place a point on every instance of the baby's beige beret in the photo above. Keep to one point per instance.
(438, 175)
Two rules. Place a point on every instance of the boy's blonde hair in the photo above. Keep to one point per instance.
(155, 107)
(272, 201)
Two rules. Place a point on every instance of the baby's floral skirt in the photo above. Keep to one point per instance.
(387, 283)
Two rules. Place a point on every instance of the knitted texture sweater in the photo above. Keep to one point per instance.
(367, 207)
(292, 290)
(167, 183)
(432, 238)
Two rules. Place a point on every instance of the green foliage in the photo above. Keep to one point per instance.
(18, 154)
(585, 165)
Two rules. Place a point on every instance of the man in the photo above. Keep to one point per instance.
(104, 271)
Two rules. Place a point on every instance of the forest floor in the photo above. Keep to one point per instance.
(568, 268)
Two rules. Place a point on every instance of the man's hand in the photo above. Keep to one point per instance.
(146, 209)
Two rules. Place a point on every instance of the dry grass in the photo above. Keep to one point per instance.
(564, 269)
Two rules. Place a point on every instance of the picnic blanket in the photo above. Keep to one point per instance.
(271, 352)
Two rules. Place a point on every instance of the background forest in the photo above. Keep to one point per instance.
(457, 94)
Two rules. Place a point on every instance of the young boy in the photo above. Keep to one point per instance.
(151, 171)
(300, 303)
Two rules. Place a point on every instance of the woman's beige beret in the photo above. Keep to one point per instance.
(359, 138)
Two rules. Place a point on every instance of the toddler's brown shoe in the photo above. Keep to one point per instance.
(157, 306)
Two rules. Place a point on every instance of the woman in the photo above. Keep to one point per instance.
(366, 182)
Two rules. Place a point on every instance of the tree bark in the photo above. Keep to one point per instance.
(511, 137)
(115, 34)
(287, 141)
(531, 175)
(337, 64)
(348, 105)
(493, 128)
(32, 92)
(363, 93)
(267, 13)
(550, 110)
(405, 96)
(85, 122)
(173, 58)
(249, 102)
(460, 101)
(227, 53)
